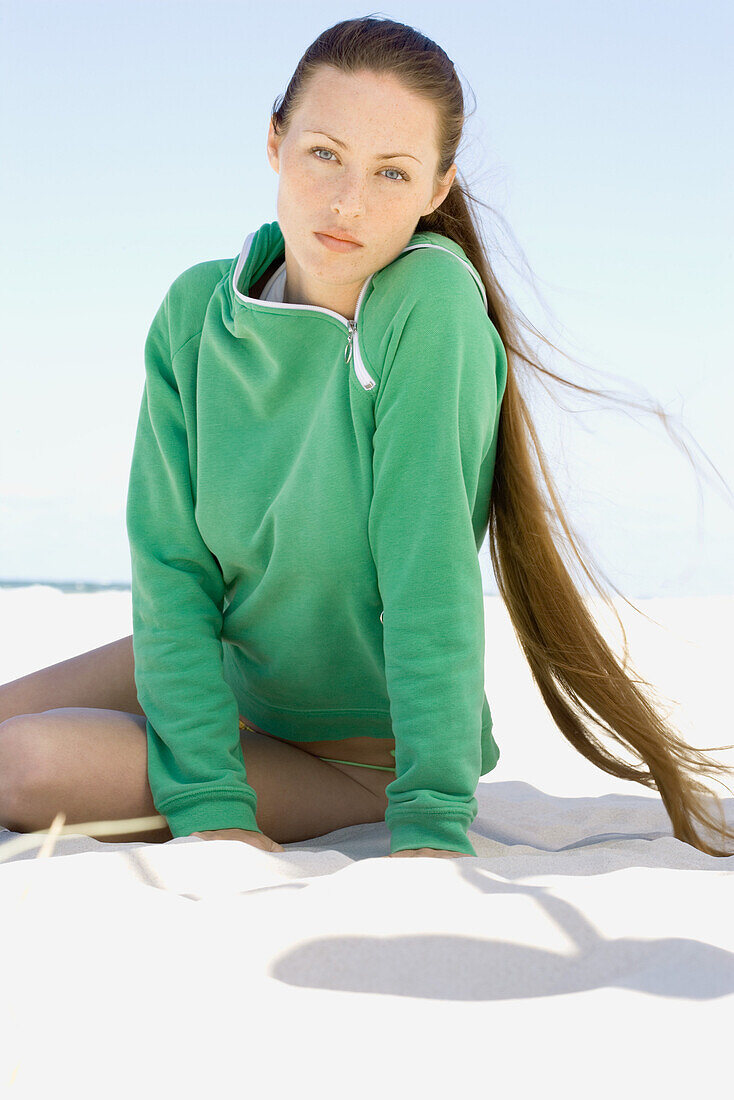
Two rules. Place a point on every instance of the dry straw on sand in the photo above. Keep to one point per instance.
(48, 837)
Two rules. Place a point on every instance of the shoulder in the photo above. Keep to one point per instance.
(433, 270)
(431, 293)
(431, 283)
(188, 297)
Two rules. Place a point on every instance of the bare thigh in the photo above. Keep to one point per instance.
(103, 678)
(91, 764)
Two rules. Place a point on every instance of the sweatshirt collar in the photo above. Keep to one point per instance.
(263, 246)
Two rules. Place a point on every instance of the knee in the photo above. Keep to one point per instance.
(21, 765)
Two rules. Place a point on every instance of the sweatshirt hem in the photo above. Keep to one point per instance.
(332, 725)
(313, 725)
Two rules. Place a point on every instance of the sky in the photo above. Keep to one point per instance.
(132, 141)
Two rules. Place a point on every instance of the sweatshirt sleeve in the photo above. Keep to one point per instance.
(196, 769)
(435, 417)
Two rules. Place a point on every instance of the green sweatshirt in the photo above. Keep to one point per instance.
(306, 502)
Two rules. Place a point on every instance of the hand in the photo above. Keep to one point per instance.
(247, 836)
(436, 853)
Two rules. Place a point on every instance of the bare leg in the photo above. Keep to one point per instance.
(103, 678)
(92, 765)
(89, 764)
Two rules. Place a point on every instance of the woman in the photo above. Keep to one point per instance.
(327, 431)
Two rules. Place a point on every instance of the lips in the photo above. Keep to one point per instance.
(338, 236)
(334, 244)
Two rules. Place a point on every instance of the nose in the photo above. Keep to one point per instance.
(350, 202)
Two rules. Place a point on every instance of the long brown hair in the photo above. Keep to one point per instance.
(584, 686)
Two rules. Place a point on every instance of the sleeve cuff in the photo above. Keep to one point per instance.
(444, 833)
(200, 814)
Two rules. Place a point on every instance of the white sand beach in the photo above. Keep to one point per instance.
(568, 955)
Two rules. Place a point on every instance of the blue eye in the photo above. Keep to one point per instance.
(320, 149)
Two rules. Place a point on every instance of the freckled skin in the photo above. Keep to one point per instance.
(352, 189)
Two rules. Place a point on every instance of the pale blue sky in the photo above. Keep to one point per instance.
(133, 146)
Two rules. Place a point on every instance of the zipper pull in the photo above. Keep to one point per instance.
(348, 348)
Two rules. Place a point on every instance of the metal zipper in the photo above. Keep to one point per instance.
(348, 348)
(351, 351)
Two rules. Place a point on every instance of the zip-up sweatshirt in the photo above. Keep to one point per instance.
(307, 498)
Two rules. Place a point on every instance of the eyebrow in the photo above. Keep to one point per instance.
(380, 156)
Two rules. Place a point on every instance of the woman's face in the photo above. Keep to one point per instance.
(356, 188)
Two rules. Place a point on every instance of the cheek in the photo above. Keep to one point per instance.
(399, 205)
(301, 183)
